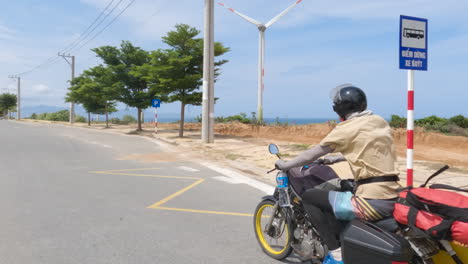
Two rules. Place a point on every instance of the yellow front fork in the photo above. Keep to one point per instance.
(443, 258)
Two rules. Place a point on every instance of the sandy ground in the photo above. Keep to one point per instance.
(244, 148)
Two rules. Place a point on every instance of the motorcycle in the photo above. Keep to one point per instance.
(282, 228)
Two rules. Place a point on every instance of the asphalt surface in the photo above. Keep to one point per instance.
(71, 195)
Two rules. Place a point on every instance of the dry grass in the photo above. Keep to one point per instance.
(299, 147)
(232, 156)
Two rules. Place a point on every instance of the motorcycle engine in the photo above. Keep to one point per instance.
(308, 247)
(424, 247)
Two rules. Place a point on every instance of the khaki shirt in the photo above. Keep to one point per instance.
(367, 144)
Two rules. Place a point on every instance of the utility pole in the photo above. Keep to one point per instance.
(72, 64)
(18, 96)
(208, 75)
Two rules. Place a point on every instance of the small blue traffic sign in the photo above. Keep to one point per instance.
(156, 102)
(413, 43)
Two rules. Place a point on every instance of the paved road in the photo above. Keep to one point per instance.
(70, 195)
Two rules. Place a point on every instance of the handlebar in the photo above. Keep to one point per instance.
(272, 170)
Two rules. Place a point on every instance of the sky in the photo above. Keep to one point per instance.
(317, 46)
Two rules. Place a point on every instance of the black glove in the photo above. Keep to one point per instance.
(347, 185)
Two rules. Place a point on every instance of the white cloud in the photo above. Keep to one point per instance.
(9, 57)
(312, 11)
(151, 19)
(41, 88)
(6, 33)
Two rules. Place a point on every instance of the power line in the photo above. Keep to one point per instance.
(52, 60)
(82, 35)
(110, 23)
(94, 28)
(155, 12)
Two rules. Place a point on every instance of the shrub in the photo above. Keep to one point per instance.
(33, 116)
(242, 117)
(198, 119)
(42, 116)
(62, 115)
(128, 119)
(279, 123)
(398, 121)
(460, 121)
(80, 119)
(431, 121)
(115, 120)
(457, 125)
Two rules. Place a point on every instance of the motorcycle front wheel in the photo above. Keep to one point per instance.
(275, 241)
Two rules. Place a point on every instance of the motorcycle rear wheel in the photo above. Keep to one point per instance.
(280, 228)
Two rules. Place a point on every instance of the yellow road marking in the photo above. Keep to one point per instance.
(111, 171)
(172, 196)
(201, 211)
(158, 204)
(145, 175)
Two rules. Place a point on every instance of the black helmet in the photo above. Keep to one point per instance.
(348, 99)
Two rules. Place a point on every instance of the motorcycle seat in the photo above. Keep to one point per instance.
(387, 224)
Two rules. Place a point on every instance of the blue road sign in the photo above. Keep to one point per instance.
(413, 43)
(156, 102)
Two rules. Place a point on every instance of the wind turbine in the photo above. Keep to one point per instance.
(261, 54)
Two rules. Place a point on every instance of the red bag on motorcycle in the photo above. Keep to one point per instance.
(440, 214)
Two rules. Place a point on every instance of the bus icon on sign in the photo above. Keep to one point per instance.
(413, 33)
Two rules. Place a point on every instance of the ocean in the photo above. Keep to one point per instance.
(268, 120)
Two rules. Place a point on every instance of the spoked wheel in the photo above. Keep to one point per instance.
(276, 240)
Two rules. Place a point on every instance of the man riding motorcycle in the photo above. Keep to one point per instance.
(365, 142)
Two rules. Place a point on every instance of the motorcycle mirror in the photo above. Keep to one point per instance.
(273, 149)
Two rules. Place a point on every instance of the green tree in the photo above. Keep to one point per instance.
(176, 73)
(7, 102)
(131, 89)
(95, 89)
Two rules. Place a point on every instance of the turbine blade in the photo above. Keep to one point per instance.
(251, 20)
(276, 18)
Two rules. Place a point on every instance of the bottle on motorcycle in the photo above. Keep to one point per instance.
(282, 180)
(282, 183)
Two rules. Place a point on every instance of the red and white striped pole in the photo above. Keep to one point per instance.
(155, 120)
(410, 130)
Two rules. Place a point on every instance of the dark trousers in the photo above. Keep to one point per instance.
(320, 214)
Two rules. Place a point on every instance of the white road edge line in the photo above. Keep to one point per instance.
(226, 179)
(233, 175)
(185, 168)
(266, 188)
(99, 144)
